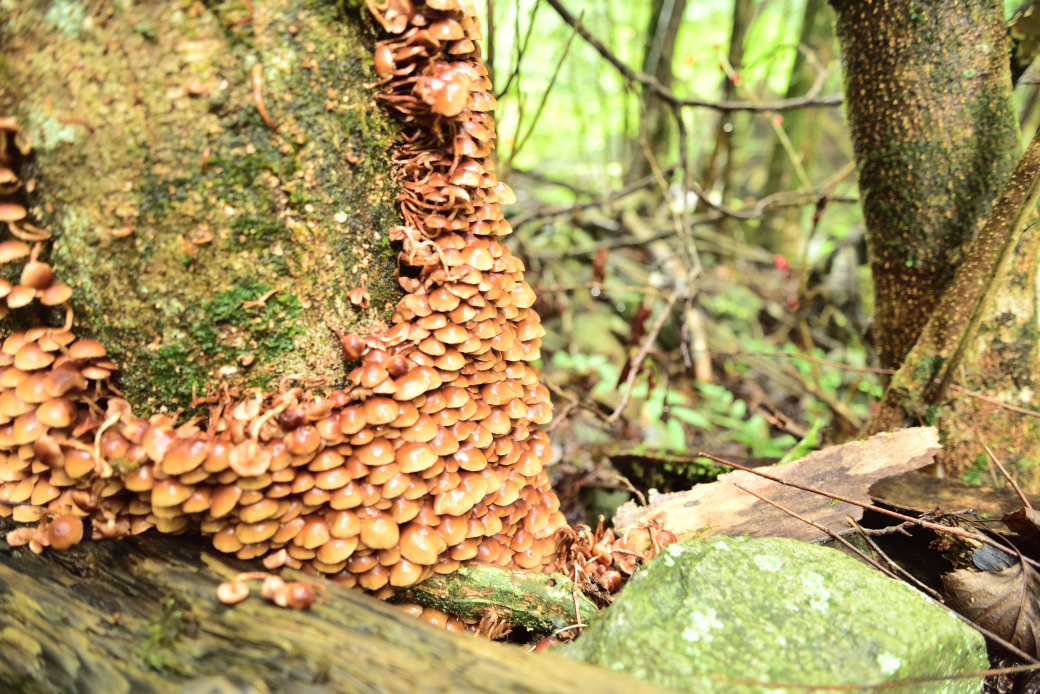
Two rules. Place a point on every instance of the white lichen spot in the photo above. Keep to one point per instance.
(819, 597)
(340, 217)
(722, 545)
(767, 563)
(888, 663)
(703, 623)
(618, 666)
(781, 640)
(67, 17)
(283, 60)
(674, 550)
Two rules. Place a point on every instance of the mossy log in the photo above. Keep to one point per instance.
(191, 157)
(141, 615)
(526, 599)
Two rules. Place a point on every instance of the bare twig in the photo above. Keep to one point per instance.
(884, 511)
(518, 147)
(601, 287)
(821, 528)
(637, 361)
(610, 197)
(895, 566)
(667, 95)
(1014, 485)
(521, 48)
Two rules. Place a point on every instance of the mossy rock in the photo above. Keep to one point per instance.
(710, 613)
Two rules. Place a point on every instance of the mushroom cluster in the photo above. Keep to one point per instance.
(432, 458)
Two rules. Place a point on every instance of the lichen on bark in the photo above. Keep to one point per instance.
(144, 120)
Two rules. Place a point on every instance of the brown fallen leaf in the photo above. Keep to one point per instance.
(1004, 602)
(1025, 522)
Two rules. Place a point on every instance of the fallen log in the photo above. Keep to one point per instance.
(141, 615)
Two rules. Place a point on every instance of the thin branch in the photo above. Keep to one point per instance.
(637, 361)
(821, 528)
(667, 95)
(601, 287)
(1018, 490)
(545, 96)
(884, 511)
(633, 187)
(895, 566)
(521, 48)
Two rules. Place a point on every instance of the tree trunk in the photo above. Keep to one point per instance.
(928, 98)
(173, 202)
(781, 229)
(658, 55)
(141, 616)
(928, 92)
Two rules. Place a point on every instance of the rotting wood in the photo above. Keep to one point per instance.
(719, 508)
(920, 493)
(141, 615)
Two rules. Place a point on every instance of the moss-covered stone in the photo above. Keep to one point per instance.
(144, 119)
(708, 613)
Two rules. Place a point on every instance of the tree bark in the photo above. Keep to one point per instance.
(928, 98)
(140, 616)
(174, 200)
(929, 103)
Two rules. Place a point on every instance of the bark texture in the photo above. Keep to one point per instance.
(928, 89)
(928, 99)
(141, 616)
(144, 118)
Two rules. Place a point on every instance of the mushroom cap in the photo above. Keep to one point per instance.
(86, 349)
(170, 492)
(415, 456)
(56, 294)
(13, 250)
(421, 544)
(377, 452)
(36, 274)
(65, 531)
(56, 412)
(381, 410)
(381, 532)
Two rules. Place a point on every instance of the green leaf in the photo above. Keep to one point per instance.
(676, 435)
(806, 445)
(691, 417)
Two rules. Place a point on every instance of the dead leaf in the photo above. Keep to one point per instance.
(1004, 602)
(1025, 522)
(599, 266)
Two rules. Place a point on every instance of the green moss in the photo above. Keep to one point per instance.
(170, 620)
(222, 208)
